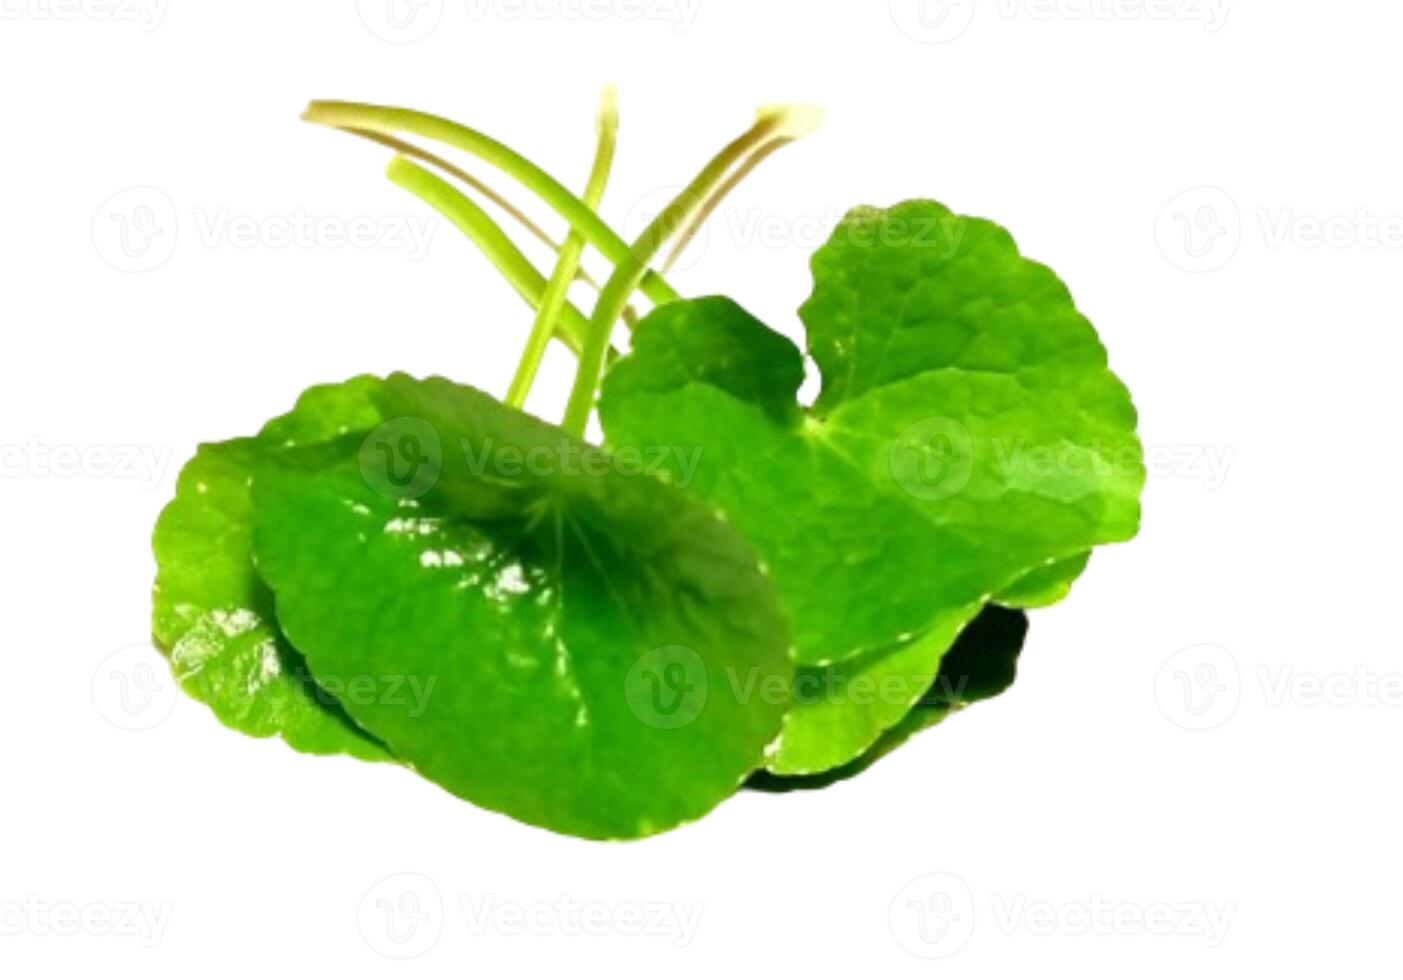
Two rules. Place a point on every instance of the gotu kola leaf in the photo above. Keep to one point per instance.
(982, 664)
(968, 442)
(214, 617)
(602, 653)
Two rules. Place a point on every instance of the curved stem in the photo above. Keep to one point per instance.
(569, 262)
(360, 118)
(408, 149)
(708, 208)
(478, 225)
(782, 122)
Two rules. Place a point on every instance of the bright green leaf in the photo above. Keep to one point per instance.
(982, 664)
(214, 617)
(842, 709)
(968, 442)
(598, 655)
(1045, 586)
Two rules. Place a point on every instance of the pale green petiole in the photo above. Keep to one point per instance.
(478, 225)
(785, 123)
(405, 148)
(569, 262)
(360, 118)
(695, 223)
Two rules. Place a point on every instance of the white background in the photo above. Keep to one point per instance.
(1175, 161)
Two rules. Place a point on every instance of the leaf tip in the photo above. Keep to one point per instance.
(793, 120)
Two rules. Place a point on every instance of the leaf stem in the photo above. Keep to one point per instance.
(778, 122)
(478, 225)
(568, 264)
(405, 148)
(361, 118)
(694, 225)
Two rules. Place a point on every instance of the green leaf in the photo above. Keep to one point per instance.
(326, 412)
(1045, 586)
(982, 664)
(214, 617)
(842, 709)
(968, 435)
(600, 655)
